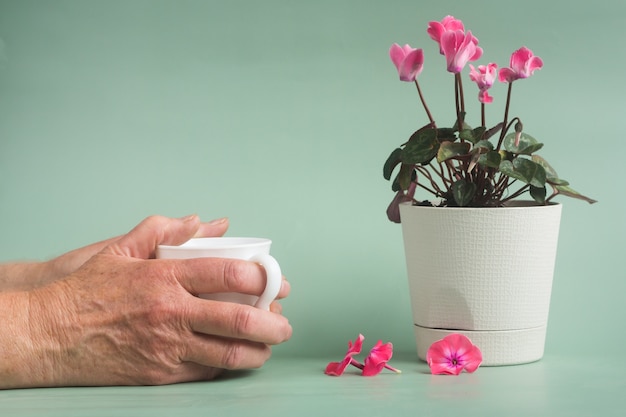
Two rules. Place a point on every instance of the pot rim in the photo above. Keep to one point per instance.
(511, 205)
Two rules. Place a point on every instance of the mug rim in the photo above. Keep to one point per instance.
(200, 243)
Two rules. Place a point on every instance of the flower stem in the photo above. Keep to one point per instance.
(461, 97)
(506, 116)
(482, 114)
(356, 363)
(419, 91)
(391, 368)
(460, 103)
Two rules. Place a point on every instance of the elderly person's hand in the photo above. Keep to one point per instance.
(29, 275)
(123, 318)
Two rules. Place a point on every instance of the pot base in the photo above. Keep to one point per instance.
(500, 347)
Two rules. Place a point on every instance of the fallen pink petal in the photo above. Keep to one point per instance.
(453, 354)
(337, 368)
(377, 359)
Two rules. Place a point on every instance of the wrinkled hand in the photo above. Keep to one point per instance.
(69, 262)
(123, 318)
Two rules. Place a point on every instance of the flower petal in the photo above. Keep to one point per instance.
(519, 59)
(355, 348)
(452, 354)
(452, 23)
(507, 75)
(484, 97)
(472, 359)
(435, 30)
(377, 358)
(523, 63)
(337, 368)
(412, 65)
(396, 53)
(440, 359)
(534, 64)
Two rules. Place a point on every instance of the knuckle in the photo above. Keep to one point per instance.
(154, 219)
(242, 321)
(234, 274)
(234, 356)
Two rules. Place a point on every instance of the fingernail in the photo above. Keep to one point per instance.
(189, 218)
(218, 221)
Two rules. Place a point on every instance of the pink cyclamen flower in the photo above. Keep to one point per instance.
(408, 61)
(378, 358)
(459, 48)
(448, 23)
(523, 63)
(484, 78)
(337, 368)
(453, 354)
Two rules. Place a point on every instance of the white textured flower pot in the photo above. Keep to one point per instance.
(482, 272)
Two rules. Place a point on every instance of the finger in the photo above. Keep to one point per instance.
(222, 353)
(237, 321)
(276, 307)
(211, 275)
(216, 275)
(71, 261)
(285, 289)
(192, 371)
(214, 228)
(141, 242)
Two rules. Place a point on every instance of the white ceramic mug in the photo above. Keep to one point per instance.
(248, 248)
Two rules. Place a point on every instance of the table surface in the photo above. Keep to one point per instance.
(554, 386)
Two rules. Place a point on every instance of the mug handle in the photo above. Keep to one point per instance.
(273, 282)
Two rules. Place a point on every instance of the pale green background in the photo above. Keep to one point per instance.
(279, 114)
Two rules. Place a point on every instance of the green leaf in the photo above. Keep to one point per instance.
(472, 135)
(491, 159)
(551, 175)
(405, 176)
(446, 133)
(463, 124)
(489, 133)
(463, 192)
(524, 170)
(448, 150)
(478, 133)
(467, 134)
(527, 144)
(394, 159)
(568, 191)
(484, 144)
(506, 167)
(395, 185)
(538, 194)
(421, 147)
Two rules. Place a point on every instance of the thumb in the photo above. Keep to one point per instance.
(142, 241)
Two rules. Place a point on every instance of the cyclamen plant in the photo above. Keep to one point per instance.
(461, 165)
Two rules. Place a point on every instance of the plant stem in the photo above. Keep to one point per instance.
(482, 114)
(461, 98)
(419, 91)
(460, 104)
(424, 172)
(516, 194)
(506, 116)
